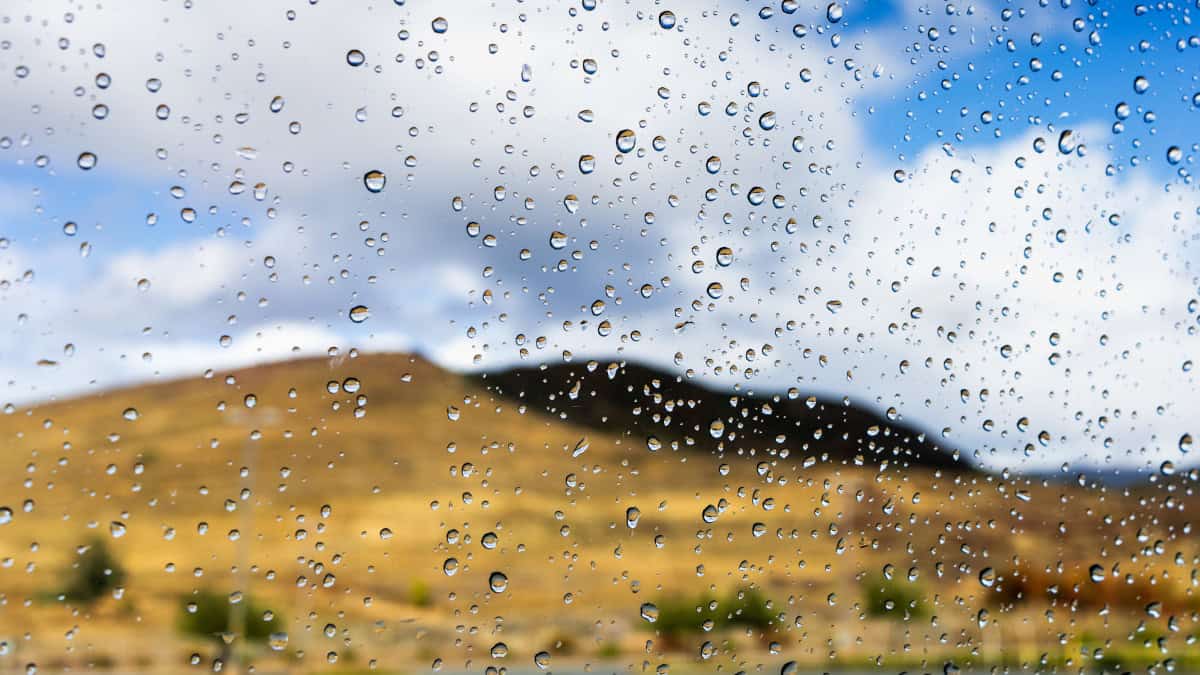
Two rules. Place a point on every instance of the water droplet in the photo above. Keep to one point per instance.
(374, 180)
(1174, 154)
(716, 429)
(440, 25)
(498, 582)
(130, 414)
(724, 256)
(359, 313)
(649, 612)
(626, 140)
(1141, 84)
(834, 12)
(581, 447)
(278, 641)
(117, 529)
(355, 58)
(1067, 142)
(987, 577)
(1096, 573)
(632, 516)
(86, 161)
(587, 164)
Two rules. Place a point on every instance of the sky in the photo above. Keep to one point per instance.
(979, 214)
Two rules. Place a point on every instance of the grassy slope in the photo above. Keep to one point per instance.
(508, 474)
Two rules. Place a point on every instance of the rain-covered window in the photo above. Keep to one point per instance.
(599, 336)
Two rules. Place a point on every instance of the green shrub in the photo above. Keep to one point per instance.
(679, 616)
(207, 614)
(419, 594)
(95, 573)
(897, 599)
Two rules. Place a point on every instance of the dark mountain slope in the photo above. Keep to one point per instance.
(639, 401)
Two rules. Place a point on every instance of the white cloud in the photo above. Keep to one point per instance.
(281, 273)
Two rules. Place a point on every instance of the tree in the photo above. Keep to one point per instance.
(95, 573)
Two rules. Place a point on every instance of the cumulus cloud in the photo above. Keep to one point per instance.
(1017, 299)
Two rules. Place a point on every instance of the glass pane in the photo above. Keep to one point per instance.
(598, 336)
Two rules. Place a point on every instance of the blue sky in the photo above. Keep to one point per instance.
(991, 293)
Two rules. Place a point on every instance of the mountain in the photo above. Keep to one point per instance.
(636, 400)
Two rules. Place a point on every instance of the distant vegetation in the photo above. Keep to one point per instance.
(678, 617)
(894, 598)
(207, 614)
(93, 575)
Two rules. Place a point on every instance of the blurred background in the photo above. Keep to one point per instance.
(598, 336)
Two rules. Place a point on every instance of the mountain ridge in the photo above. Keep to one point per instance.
(644, 400)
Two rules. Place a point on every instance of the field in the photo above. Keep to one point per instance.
(367, 502)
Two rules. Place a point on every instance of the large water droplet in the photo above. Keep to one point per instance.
(374, 180)
(1067, 142)
(498, 582)
(649, 612)
(626, 140)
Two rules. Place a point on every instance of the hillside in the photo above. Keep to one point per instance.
(636, 400)
(371, 498)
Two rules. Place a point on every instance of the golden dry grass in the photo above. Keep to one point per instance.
(198, 464)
